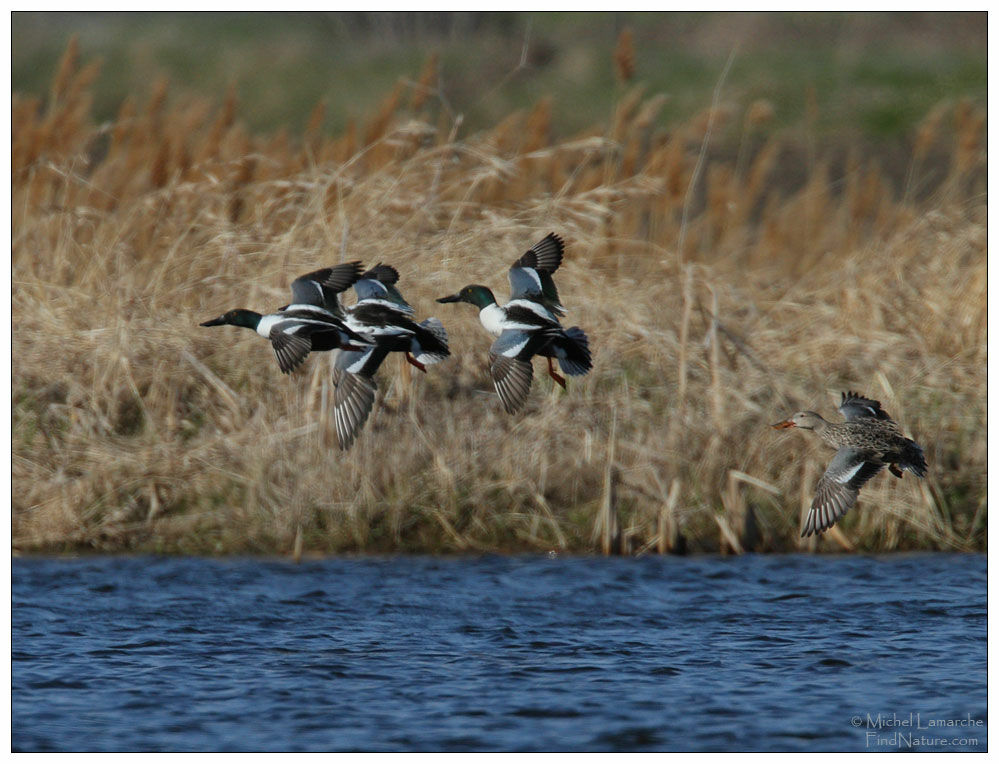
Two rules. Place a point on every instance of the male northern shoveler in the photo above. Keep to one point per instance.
(868, 440)
(313, 321)
(528, 324)
(382, 316)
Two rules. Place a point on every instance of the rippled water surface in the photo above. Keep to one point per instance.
(495, 653)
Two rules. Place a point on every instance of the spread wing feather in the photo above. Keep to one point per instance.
(321, 287)
(531, 275)
(353, 397)
(290, 349)
(854, 406)
(545, 256)
(838, 489)
(512, 380)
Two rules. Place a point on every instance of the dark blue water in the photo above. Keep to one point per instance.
(793, 653)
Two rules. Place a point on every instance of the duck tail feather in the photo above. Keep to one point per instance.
(577, 360)
(433, 344)
(915, 460)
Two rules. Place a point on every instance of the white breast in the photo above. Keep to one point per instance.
(266, 324)
(492, 318)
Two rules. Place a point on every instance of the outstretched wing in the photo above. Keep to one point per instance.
(545, 256)
(320, 288)
(382, 273)
(854, 406)
(290, 346)
(353, 397)
(531, 275)
(511, 372)
(838, 489)
(378, 283)
(354, 391)
(364, 362)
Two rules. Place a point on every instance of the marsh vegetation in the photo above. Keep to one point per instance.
(727, 271)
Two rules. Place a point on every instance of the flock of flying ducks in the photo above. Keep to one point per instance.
(381, 322)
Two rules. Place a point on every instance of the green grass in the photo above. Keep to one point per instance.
(875, 75)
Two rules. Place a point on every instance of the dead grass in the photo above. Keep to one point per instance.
(135, 429)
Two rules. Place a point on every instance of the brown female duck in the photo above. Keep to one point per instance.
(867, 441)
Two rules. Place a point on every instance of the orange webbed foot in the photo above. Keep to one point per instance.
(555, 375)
(416, 363)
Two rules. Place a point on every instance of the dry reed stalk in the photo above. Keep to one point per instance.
(625, 114)
(837, 535)
(717, 396)
(67, 66)
(668, 535)
(209, 148)
(426, 82)
(245, 169)
(759, 172)
(678, 421)
(698, 165)
(624, 56)
(67, 120)
(347, 144)
(24, 137)
(312, 142)
(506, 136)
(645, 118)
(377, 128)
(537, 128)
(296, 552)
(155, 110)
(927, 134)
(536, 136)
(728, 542)
(159, 172)
(607, 528)
(721, 193)
(740, 517)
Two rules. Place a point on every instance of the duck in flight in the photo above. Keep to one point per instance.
(528, 324)
(868, 440)
(312, 322)
(383, 317)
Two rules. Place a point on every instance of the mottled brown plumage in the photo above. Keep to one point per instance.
(868, 440)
